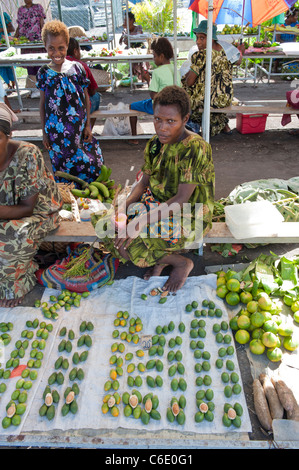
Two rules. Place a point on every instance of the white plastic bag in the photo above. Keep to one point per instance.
(117, 125)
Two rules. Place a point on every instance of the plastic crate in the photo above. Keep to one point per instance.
(251, 123)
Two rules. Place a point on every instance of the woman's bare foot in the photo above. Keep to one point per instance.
(154, 271)
(5, 303)
(181, 267)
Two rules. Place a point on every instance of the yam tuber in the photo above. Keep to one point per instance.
(261, 405)
(287, 399)
(275, 406)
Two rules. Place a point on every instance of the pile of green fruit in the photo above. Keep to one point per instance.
(103, 188)
(258, 322)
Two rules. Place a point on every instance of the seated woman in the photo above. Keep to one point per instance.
(29, 206)
(178, 173)
(221, 82)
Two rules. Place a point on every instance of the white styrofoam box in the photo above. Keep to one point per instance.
(253, 219)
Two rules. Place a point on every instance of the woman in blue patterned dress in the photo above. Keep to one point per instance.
(65, 109)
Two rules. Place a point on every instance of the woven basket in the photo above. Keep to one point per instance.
(102, 77)
(64, 189)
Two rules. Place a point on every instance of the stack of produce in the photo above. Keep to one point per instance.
(261, 290)
(103, 188)
(273, 399)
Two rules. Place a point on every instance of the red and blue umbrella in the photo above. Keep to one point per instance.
(239, 12)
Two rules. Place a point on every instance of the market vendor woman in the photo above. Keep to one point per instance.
(221, 82)
(178, 170)
(29, 209)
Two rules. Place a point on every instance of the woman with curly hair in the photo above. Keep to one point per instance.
(65, 109)
(170, 208)
(162, 76)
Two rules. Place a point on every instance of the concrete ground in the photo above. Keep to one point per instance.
(237, 158)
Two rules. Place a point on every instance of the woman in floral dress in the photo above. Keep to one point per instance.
(65, 109)
(29, 209)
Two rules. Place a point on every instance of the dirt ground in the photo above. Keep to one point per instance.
(237, 158)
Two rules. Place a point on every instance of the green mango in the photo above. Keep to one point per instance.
(73, 373)
(159, 365)
(155, 414)
(68, 346)
(43, 410)
(52, 378)
(55, 396)
(150, 381)
(76, 358)
(60, 378)
(172, 370)
(152, 350)
(71, 335)
(65, 409)
(180, 368)
(137, 412)
(145, 417)
(89, 326)
(174, 384)
(88, 341)
(182, 384)
(58, 362)
(81, 341)
(159, 381)
(61, 346)
(83, 356)
(80, 374)
(169, 415)
(74, 407)
(181, 417)
(75, 388)
(150, 364)
(50, 412)
(65, 364)
(20, 408)
(83, 326)
(155, 402)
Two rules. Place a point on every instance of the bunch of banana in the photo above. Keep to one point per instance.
(103, 188)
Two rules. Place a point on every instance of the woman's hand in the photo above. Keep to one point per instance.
(132, 231)
(46, 142)
(87, 134)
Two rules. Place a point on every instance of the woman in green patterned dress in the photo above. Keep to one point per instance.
(221, 82)
(170, 208)
(29, 206)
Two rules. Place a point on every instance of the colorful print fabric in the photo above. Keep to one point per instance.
(26, 176)
(65, 121)
(221, 88)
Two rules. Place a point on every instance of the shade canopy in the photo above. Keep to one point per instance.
(251, 12)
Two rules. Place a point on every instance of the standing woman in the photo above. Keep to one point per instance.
(30, 20)
(29, 209)
(7, 72)
(221, 82)
(65, 109)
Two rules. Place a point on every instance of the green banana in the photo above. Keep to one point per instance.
(103, 190)
(103, 174)
(110, 183)
(94, 191)
(81, 192)
(109, 171)
(67, 176)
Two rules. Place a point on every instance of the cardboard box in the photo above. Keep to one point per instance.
(251, 123)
